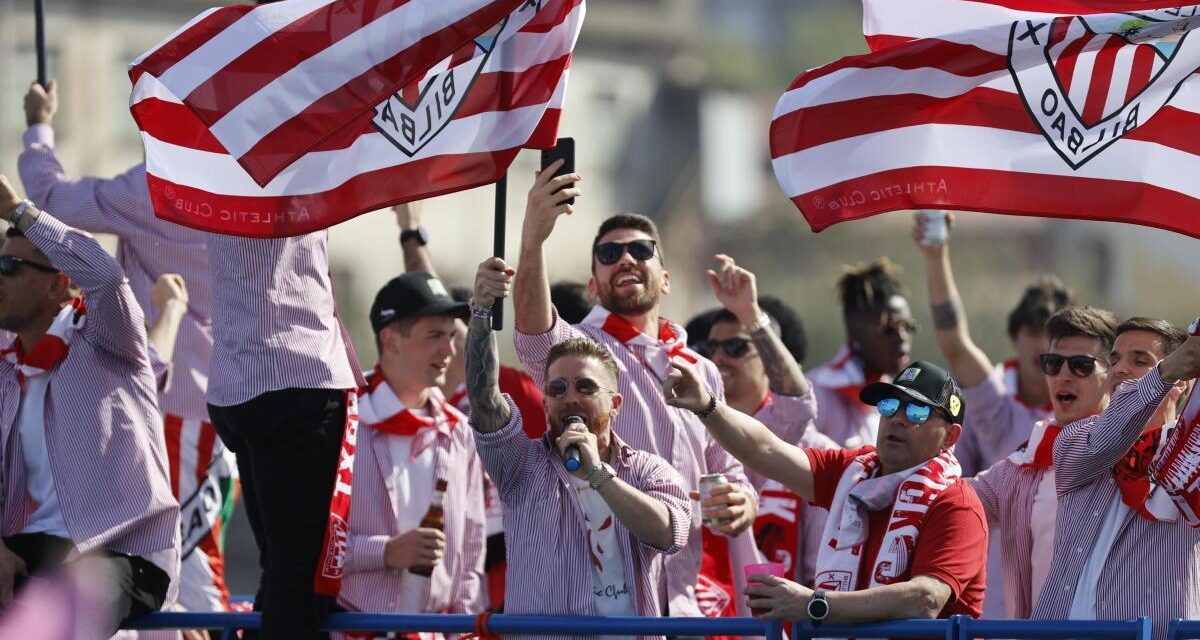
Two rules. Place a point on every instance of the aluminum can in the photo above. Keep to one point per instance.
(935, 228)
(709, 481)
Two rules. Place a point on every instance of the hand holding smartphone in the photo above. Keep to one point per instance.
(565, 151)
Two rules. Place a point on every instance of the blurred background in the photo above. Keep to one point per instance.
(670, 103)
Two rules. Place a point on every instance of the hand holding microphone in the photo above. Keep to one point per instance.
(578, 446)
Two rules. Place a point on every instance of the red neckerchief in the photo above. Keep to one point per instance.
(407, 422)
(768, 400)
(51, 348)
(623, 330)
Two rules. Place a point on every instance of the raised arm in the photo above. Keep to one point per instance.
(1083, 452)
(119, 205)
(531, 291)
(742, 436)
(489, 411)
(115, 321)
(969, 364)
(416, 254)
(170, 298)
(736, 289)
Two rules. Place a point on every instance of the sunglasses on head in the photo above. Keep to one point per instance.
(10, 264)
(640, 250)
(1081, 366)
(733, 347)
(558, 387)
(916, 412)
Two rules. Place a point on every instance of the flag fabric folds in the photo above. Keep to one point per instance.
(290, 117)
(1053, 108)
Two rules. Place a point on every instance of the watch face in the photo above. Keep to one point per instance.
(818, 609)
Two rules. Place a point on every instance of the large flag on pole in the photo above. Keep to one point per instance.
(350, 106)
(1033, 107)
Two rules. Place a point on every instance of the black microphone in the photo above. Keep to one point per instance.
(571, 462)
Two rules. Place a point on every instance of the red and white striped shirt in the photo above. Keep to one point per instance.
(106, 451)
(147, 248)
(1153, 568)
(457, 581)
(648, 424)
(545, 532)
(1006, 492)
(275, 323)
(998, 424)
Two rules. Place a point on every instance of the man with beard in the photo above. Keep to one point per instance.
(412, 440)
(1122, 549)
(763, 378)
(629, 279)
(1018, 493)
(1006, 399)
(587, 542)
(84, 463)
(879, 328)
(906, 538)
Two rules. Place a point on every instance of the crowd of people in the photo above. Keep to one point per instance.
(632, 466)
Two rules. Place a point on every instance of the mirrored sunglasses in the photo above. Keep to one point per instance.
(916, 412)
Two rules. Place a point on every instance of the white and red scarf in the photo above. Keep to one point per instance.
(379, 409)
(52, 347)
(336, 546)
(910, 494)
(845, 376)
(1132, 471)
(671, 342)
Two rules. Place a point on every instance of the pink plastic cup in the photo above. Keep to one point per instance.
(776, 569)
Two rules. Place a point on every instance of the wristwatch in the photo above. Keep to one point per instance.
(818, 608)
(600, 474)
(419, 234)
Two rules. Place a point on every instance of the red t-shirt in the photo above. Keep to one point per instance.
(528, 398)
(951, 547)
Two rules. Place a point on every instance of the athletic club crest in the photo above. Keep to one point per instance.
(1087, 81)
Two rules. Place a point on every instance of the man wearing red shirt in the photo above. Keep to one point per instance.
(905, 538)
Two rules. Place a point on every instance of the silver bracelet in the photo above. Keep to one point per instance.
(763, 321)
(15, 219)
(484, 313)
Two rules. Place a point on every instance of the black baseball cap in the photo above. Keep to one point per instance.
(924, 382)
(413, 294)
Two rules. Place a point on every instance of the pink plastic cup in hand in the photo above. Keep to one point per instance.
(776, 569)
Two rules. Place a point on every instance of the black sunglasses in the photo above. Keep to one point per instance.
(1080, 366)
(584, 386)
(733, 347)
(10, 264)
(641, 250)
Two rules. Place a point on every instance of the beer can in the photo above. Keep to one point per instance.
(935, 228)
(709, 481)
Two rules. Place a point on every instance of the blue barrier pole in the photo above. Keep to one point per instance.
(1050, 629)
(1185, 629)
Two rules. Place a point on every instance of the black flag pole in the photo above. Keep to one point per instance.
(39, 31)
(498, 242)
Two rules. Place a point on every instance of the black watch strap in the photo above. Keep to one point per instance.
(818, 608)
(419, 234)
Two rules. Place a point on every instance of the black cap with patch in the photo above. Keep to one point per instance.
(413, 294)
(924, 382)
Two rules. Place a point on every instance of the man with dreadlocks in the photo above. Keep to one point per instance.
(879, 328)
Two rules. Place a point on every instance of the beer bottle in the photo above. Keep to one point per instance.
(435, 518)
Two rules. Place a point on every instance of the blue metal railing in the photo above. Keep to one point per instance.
(955, 628)
(1183, 629)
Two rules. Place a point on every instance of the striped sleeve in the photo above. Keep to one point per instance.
(532, 349)
(367, 553)
(993, 486)
(119, 205)
(661, 481)
(991, 415)
(508, 456)
(115, 323)
(1087, 449)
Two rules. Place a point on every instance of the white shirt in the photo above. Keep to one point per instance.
(39, 481)
(1041, 528)
(1083, 606)
(613, 594)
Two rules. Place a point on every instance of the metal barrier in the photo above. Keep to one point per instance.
(955, 628)
(1183, 629)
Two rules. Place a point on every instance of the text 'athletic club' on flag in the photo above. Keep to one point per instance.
(1058, 108)
(290, 117)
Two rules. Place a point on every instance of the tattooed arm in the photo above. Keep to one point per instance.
(968, 363)
(489, 411)
(737, 290)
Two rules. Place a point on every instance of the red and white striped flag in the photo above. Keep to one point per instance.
(286, 118)
(1032, 107)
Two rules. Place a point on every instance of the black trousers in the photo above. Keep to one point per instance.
(140, 586)
(287, 445)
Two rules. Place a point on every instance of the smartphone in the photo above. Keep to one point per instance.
(565, 150)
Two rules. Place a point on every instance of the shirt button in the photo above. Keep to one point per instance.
(1066, 588)
(1078, 549)
(1096, 513)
